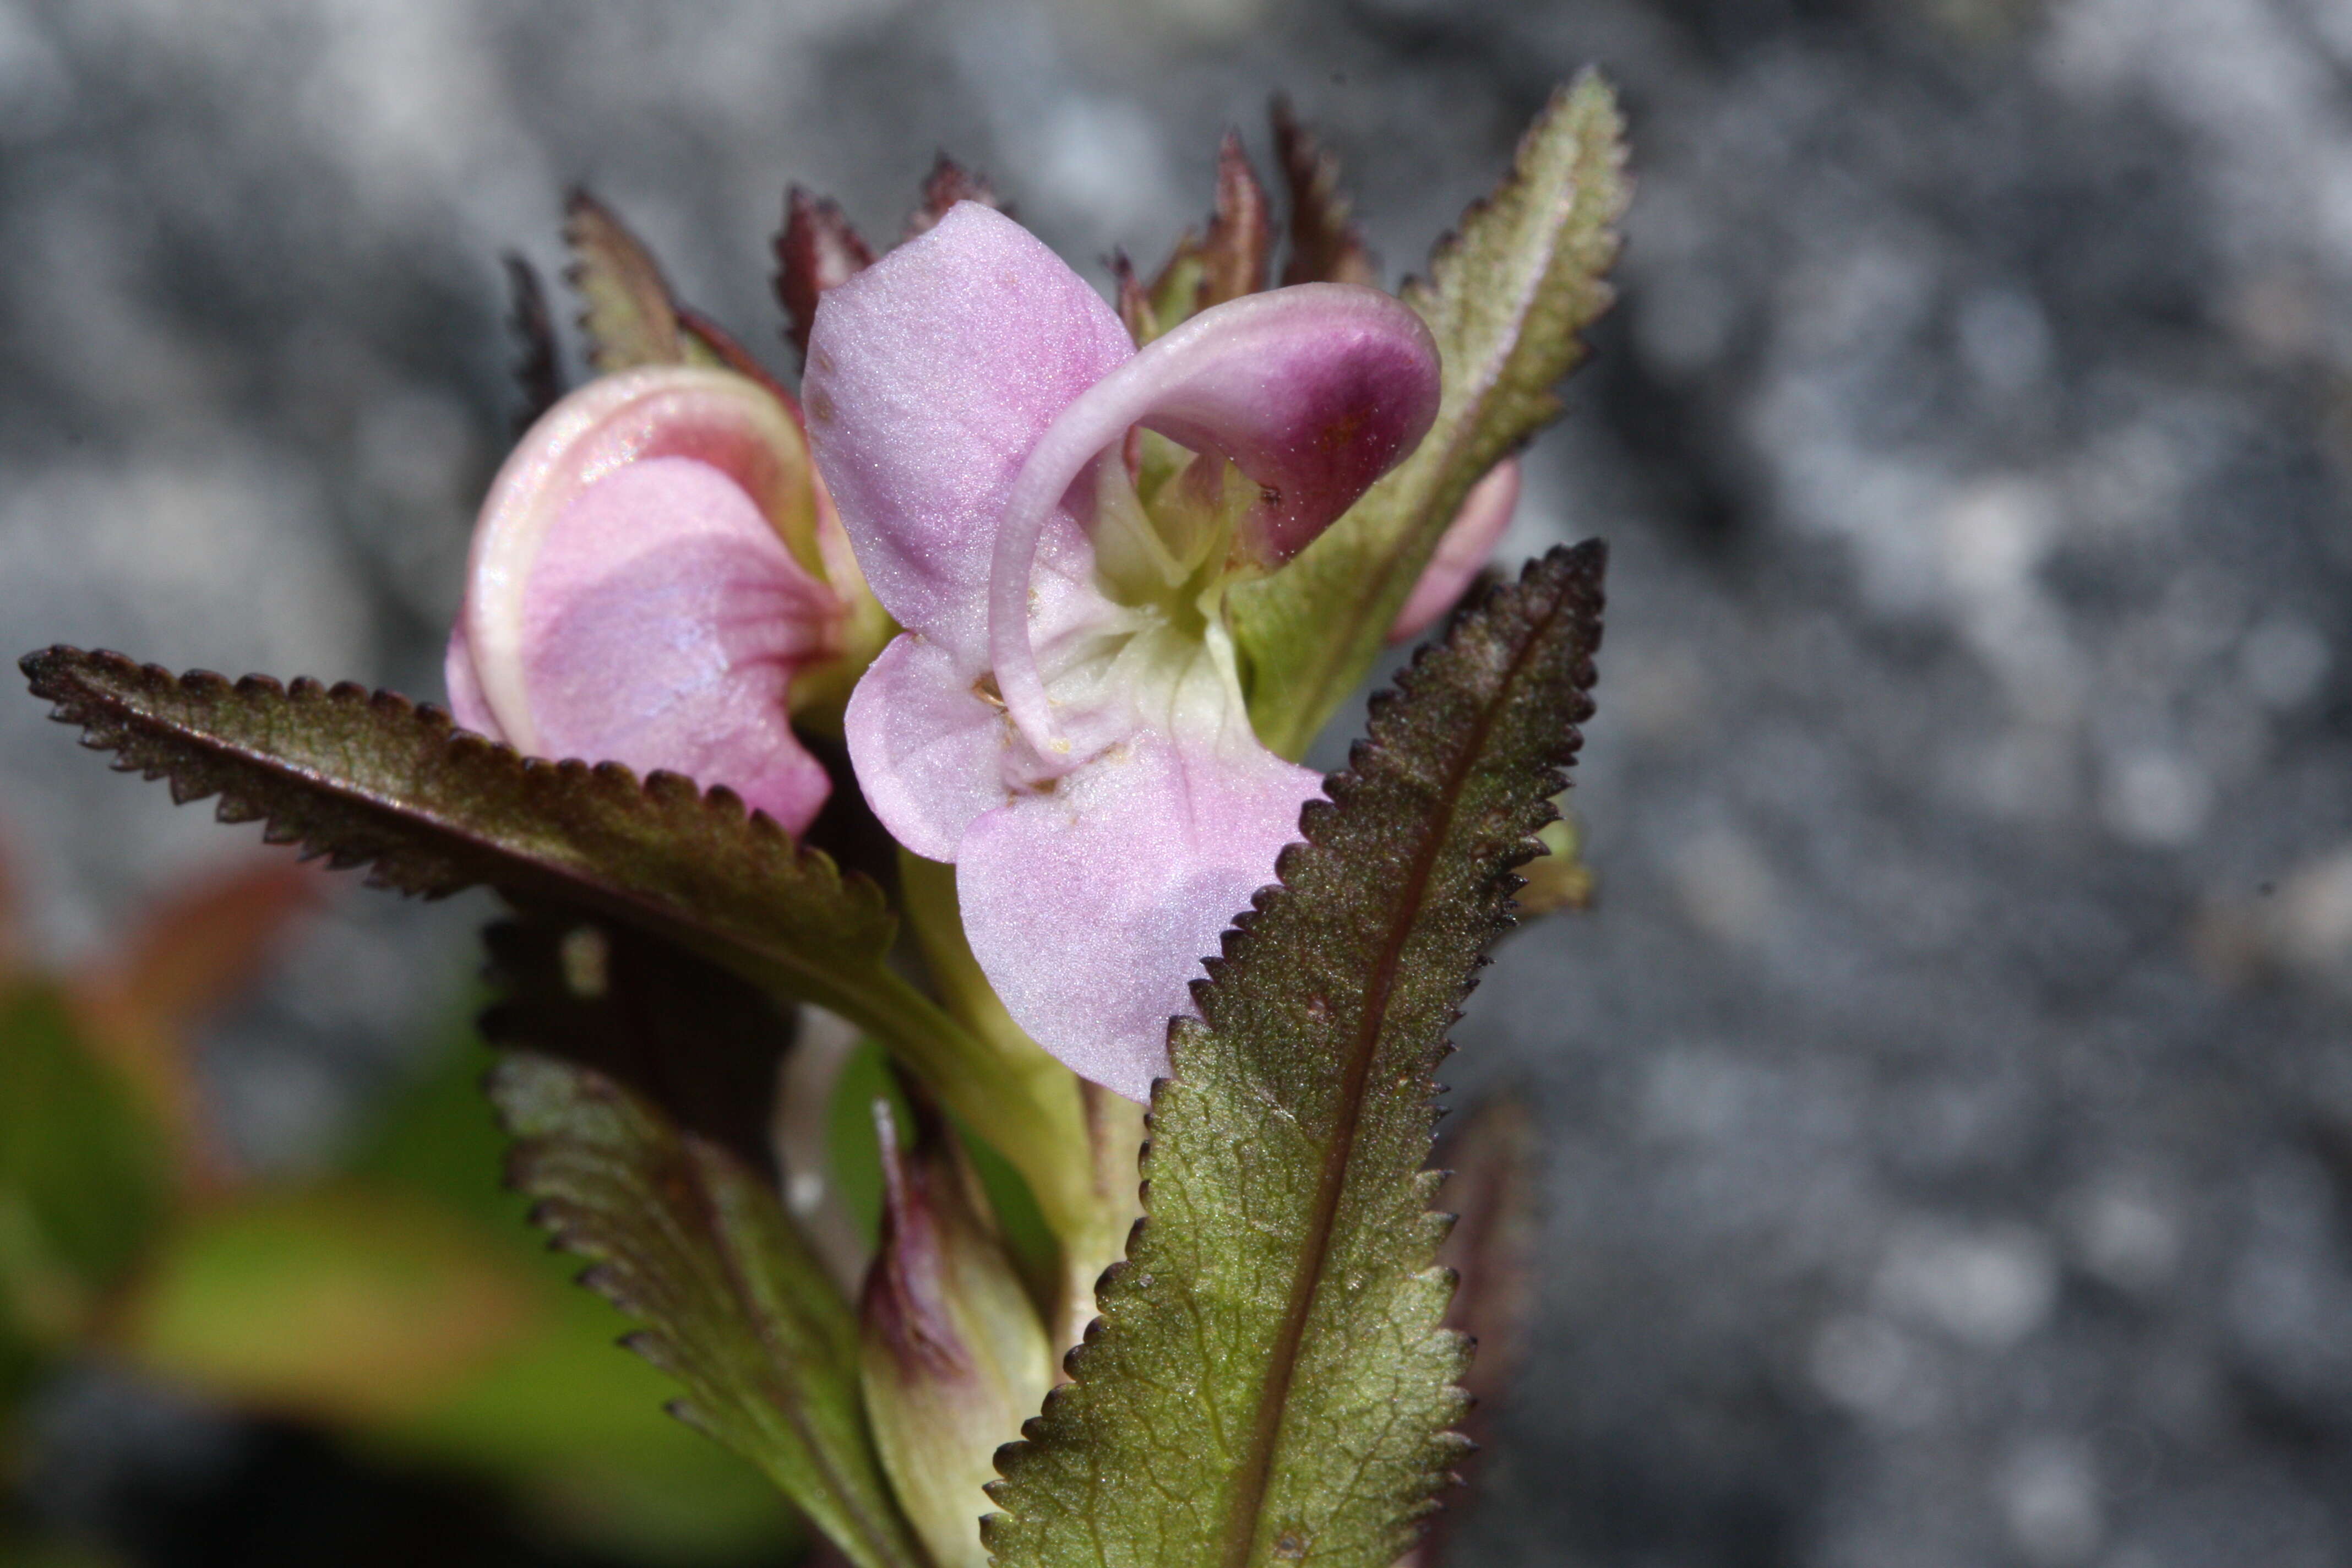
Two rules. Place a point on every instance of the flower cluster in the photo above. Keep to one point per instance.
(1053, 516)
(1054, 592)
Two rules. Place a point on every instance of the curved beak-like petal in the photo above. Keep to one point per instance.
(1462, 550)
(932, 375)
(630, 597)
(1313, 392)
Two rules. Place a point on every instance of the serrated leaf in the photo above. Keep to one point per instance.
(82, 1176)
(628, 312)
(561, 1417)
(1489, 1155)
(538, 372)
(1269, 1382)
(684, 1238)
(1324, 245)
(1506, 300)
(947, 183)
(1205, 269)
(816, 248)
(372, 779)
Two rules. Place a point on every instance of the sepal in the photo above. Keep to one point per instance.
(952, 1356)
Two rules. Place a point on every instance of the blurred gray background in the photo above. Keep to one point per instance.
(1949, 1102)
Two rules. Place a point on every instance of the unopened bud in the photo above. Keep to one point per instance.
(953, 1356)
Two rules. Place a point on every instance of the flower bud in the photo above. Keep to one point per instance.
(953, 1356)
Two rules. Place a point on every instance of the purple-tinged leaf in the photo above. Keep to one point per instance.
(683, 1238)
(1324, 245)
(1134, 301)
(947, 183)
(816, 248)
(708, 342)
(628, 312)
(537, 371)
(1230, 259)
(1490, 1185)
(1273, 1356)
(372, 779)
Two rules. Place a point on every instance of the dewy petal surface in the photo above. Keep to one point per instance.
(631, 599)
(1090, 908)
(932, 375)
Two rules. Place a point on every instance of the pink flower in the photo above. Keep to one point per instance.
(630, 596)
(1063, 718)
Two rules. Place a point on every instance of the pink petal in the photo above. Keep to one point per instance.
(467, 703)
(664, 622)
(930, 376)
(1462, 550)
(630, 598)
(927, 749)
(932, 752)
(1313, 391)
(1090, 907)
(713, 417)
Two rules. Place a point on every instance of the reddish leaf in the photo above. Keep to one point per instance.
(1491, 1190)
(630, 315)
(1231, 259)
(816, 249)
(538, 372)
(947, 183)
(1325, 247)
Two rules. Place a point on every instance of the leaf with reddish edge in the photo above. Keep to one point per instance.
(1325, 244)
(708, 342)
(376, 780)
(1271, 1379)
(537, 371)
(1508, 300)
(1490, 1155)
(629, 314)
(1134, 303)
(947, 183)
(816, 248)
(1228, 261)
(683, 1238)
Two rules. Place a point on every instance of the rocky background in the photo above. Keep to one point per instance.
(1947, 1105)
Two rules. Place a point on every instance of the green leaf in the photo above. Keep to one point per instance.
(686, 1240)
(341, 1304)
(1506, 300)
(572, 1427)
(82, 1175)
(376, 780)
(628, 312)
(1269, 1381)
